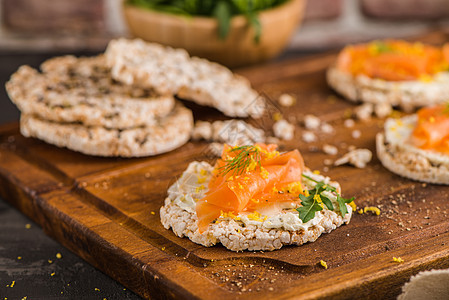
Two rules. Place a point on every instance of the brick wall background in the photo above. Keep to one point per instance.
(42, 25)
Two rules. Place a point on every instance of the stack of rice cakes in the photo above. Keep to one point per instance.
(122, 103)
(75, 103)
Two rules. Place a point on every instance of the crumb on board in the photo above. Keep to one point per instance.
(363, 112)
(356, 134)
(357, 157)
(330, 149)
(311, 122)
(232, 132)
(286, 100)
(215, 149)
(308, 137)
(383, 109)
(283, 130)
(349, 123)
(202, 130)
(327, 128)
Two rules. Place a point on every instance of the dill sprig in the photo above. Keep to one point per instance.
(237, 165)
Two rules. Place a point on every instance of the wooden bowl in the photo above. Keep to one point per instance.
(199, 35)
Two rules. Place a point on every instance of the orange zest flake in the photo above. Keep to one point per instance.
(264, 173)
(201, 179)
(398, 259)
(317, 198)
(252, 166)
(372, 209)
(323, 264)
(199, 188)
(255, 216)
(353, 206)
(293, 188)
(306, 193)
(425, 78)
(229, 215)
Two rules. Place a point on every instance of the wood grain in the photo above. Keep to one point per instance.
(101, 209)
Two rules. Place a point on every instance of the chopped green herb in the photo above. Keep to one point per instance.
(381, 47)
(222, 10)
(315, 200)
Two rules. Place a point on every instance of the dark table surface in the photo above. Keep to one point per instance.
(29, 263)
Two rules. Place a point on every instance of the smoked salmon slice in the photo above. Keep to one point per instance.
(267, 177)
(432, 129)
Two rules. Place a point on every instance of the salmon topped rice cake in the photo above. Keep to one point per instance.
(394, 72)
(417, 146)
(254, 198)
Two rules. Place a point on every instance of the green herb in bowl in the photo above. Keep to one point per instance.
(222, 10)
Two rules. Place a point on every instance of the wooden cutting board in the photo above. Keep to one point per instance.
(107, 210)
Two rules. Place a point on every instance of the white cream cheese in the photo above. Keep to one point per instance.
(191, 186)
